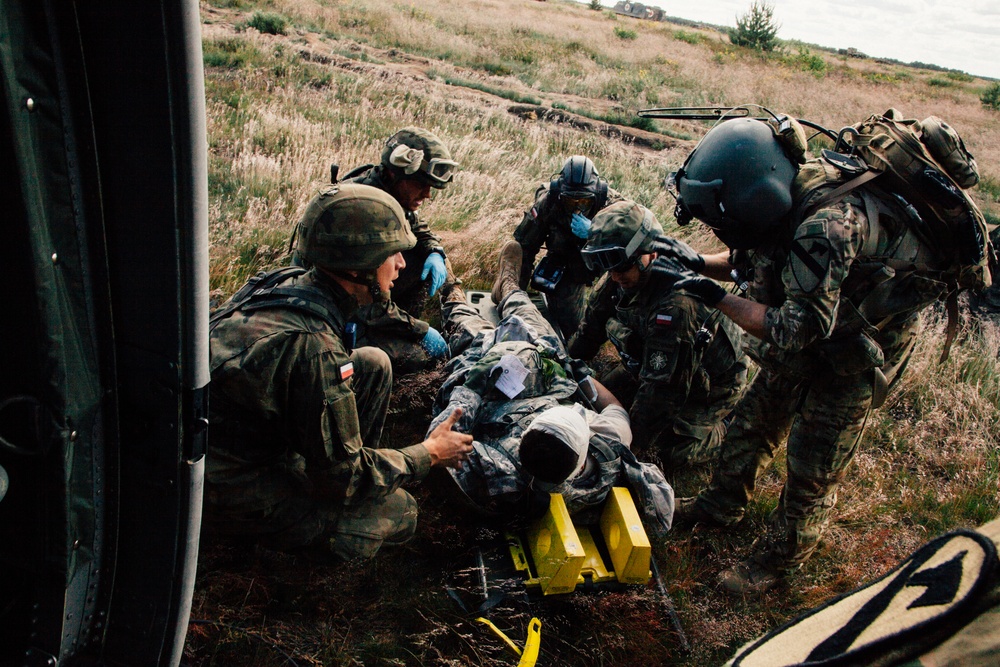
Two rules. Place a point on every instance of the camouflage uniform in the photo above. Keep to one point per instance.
(292, 458)
(679, 391)
(491, 479)
(839, 331)
(547, 223)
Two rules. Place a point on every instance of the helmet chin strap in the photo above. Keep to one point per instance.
(367, 279)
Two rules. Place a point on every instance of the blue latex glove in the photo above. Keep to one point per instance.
(434, 265)
(434, 343)
(580, 226)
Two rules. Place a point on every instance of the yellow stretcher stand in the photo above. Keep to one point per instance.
(625, 538)
(556, 549)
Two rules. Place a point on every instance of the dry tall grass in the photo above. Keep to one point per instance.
(347, 75)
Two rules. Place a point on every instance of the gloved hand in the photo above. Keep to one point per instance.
(434, 265)
(667, 246)
(684, 278)
(580, 226)
(435, 344)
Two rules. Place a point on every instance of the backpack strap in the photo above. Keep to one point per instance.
(265, 290)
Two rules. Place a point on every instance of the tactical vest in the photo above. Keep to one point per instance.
(266, 290)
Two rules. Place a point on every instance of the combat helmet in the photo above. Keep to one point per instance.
(579, 188)
(352, 227)
(738, 181)
(416, 153)
(620, 233)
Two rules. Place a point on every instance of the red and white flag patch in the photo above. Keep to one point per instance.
(347, 370)
(664, 320)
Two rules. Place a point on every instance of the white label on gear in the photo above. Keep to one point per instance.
(512, 374)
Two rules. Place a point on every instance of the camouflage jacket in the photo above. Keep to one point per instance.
(491, 478)
(840, 285)
(547, 223)
(282, 397)
(654, 330)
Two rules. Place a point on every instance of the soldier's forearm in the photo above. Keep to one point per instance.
(749, 315)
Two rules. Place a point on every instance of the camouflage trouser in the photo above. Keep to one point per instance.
(695, 437)
(822, 421)
(567, 303)
(285, 515)
(462, 322)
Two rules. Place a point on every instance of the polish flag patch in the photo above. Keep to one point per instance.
(664, 320)
(347, 370)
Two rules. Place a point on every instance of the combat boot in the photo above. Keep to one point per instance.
(688, 512)
(755, 575)
(508, 272)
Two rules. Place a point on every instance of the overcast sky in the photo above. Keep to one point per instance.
(958, 34)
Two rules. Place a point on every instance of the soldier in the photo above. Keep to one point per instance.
(550, 430)
(828, 343)
(682, 367)
(296, 413)
(559, 220)
(413, 161)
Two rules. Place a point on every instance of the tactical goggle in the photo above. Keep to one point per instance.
(411, 160)
(576, 203)
(618, 258)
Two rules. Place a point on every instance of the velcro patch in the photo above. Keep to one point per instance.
(810, 261)
(664, 320)
(924, 595)
(347, 370)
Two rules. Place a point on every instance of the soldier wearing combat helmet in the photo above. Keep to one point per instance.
(828, 343)
(682, 368)
(297, 410)
(559, 220)
(413, 161)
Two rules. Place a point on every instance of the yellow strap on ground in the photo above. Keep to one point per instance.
(507, 640)
(531, 645)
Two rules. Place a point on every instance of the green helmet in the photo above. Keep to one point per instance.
(738, 181)
(352, 227)
(618, 234)
(416, 153)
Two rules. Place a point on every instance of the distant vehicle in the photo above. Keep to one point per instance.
(104, 246)
(639, 11)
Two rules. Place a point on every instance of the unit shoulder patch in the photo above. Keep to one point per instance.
(810, 261)
(922, 596)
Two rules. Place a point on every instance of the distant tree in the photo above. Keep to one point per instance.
(596, 5)
(991, 97)
(756, 29)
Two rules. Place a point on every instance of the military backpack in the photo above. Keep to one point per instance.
(926, 166)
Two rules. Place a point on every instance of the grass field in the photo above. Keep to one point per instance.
(338, 77)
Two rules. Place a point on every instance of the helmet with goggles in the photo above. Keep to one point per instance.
(738, 180)
(579, 188)
(416, 153)
(620, 233)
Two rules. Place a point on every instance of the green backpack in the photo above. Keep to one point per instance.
(927, 164)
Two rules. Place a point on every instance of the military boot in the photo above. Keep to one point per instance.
(508, 272)
(688, 512)
(753, 576)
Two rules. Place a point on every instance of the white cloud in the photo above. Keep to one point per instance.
(958, 35)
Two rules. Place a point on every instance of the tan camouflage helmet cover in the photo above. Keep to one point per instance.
(416, 153)
(625, 224)
(353, 227)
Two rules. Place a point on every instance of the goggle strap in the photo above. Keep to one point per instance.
(645, 227)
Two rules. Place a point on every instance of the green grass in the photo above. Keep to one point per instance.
(277, 119)
(625, 33)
